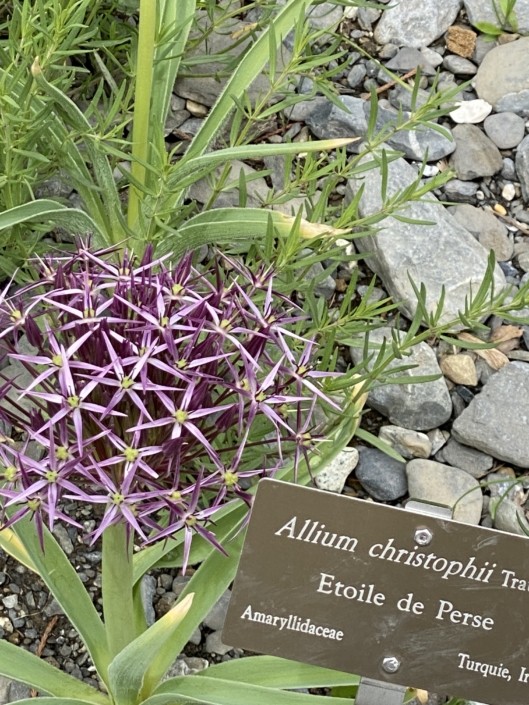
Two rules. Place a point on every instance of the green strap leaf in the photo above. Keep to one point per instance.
(218, 692)
(56, 701)
(129, 673)
(63, 582)
(46, 211)
(23, 666)
(209, 582)
(274, 672)
(246, 72)
(207, 162)
(12, 545)
(222, 226)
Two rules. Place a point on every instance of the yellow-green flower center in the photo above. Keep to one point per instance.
(74, 402)
(10, 473)
(181, 364)
(230, 478)
(181, 416)
(127, 383)
(34, 504)
(177, 289)
(225, 325)
(131, 454)
(261, 396)
(16, 316)
(191, 521)
(51, 476)
(57, 360)
(175, 496)
(62, 453)
(89, 313)
(117, 498)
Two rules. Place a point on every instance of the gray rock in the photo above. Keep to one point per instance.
(480, 11)
(468, 459)
(481, 49)
(215, 645)
(459, 65)
(179, 584)
(147, 592)
(217, 614)
(506, 130)
(383, 477)
(416, 23)
(53, 188)
(443, 255)
(301, 111)
(497, 420)
(11, 691)
(488, 229)
(356, 75)
(186, 666)
(435, 482)
(257, 189)
(165, 603)
(206, 90)
(328, 121)
(502, 485)
(460, 191)
(401, 96)
(410, 444)
(476, 155)
(388, 51)
(419, 407)
(503, 77)
(509, 516)
(522, 166)
(326, 15)
(65, 542)
(10, 602)
(508, 171)
(332, 478)
(408, 59)
(414, 144)
(366, 17)
(53, 608)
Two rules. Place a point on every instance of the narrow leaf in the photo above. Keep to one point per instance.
(274, 672)
(23, 666)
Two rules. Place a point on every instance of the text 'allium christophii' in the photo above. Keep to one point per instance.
(155, 392)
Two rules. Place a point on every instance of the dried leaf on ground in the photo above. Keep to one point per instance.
(508, 338)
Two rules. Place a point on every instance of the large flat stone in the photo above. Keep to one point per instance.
(435, 482)
(503, 77)
(497, 420)
(416, 23)
(419, 407)
(441, 255)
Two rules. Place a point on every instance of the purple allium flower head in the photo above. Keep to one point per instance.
(156, 391)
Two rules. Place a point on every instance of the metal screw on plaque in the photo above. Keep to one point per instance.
(423, 537)
(391, 664)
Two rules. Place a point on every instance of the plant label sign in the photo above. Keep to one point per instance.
(384, 593)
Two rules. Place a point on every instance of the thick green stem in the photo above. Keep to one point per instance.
(117, 583)
(142, 104)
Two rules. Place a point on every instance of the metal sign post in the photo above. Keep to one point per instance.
(373, 692)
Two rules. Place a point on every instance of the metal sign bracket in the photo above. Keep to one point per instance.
(373, 692)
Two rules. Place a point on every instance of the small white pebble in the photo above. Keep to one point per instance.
(508, 192)
(430, 170)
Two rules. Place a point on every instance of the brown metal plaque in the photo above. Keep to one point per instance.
(366, 589)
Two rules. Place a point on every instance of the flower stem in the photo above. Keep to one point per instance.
(117, 583)
(142, 104)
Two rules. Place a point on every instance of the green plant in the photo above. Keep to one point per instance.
(505, 17)
(133, 94)
(155, 391)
